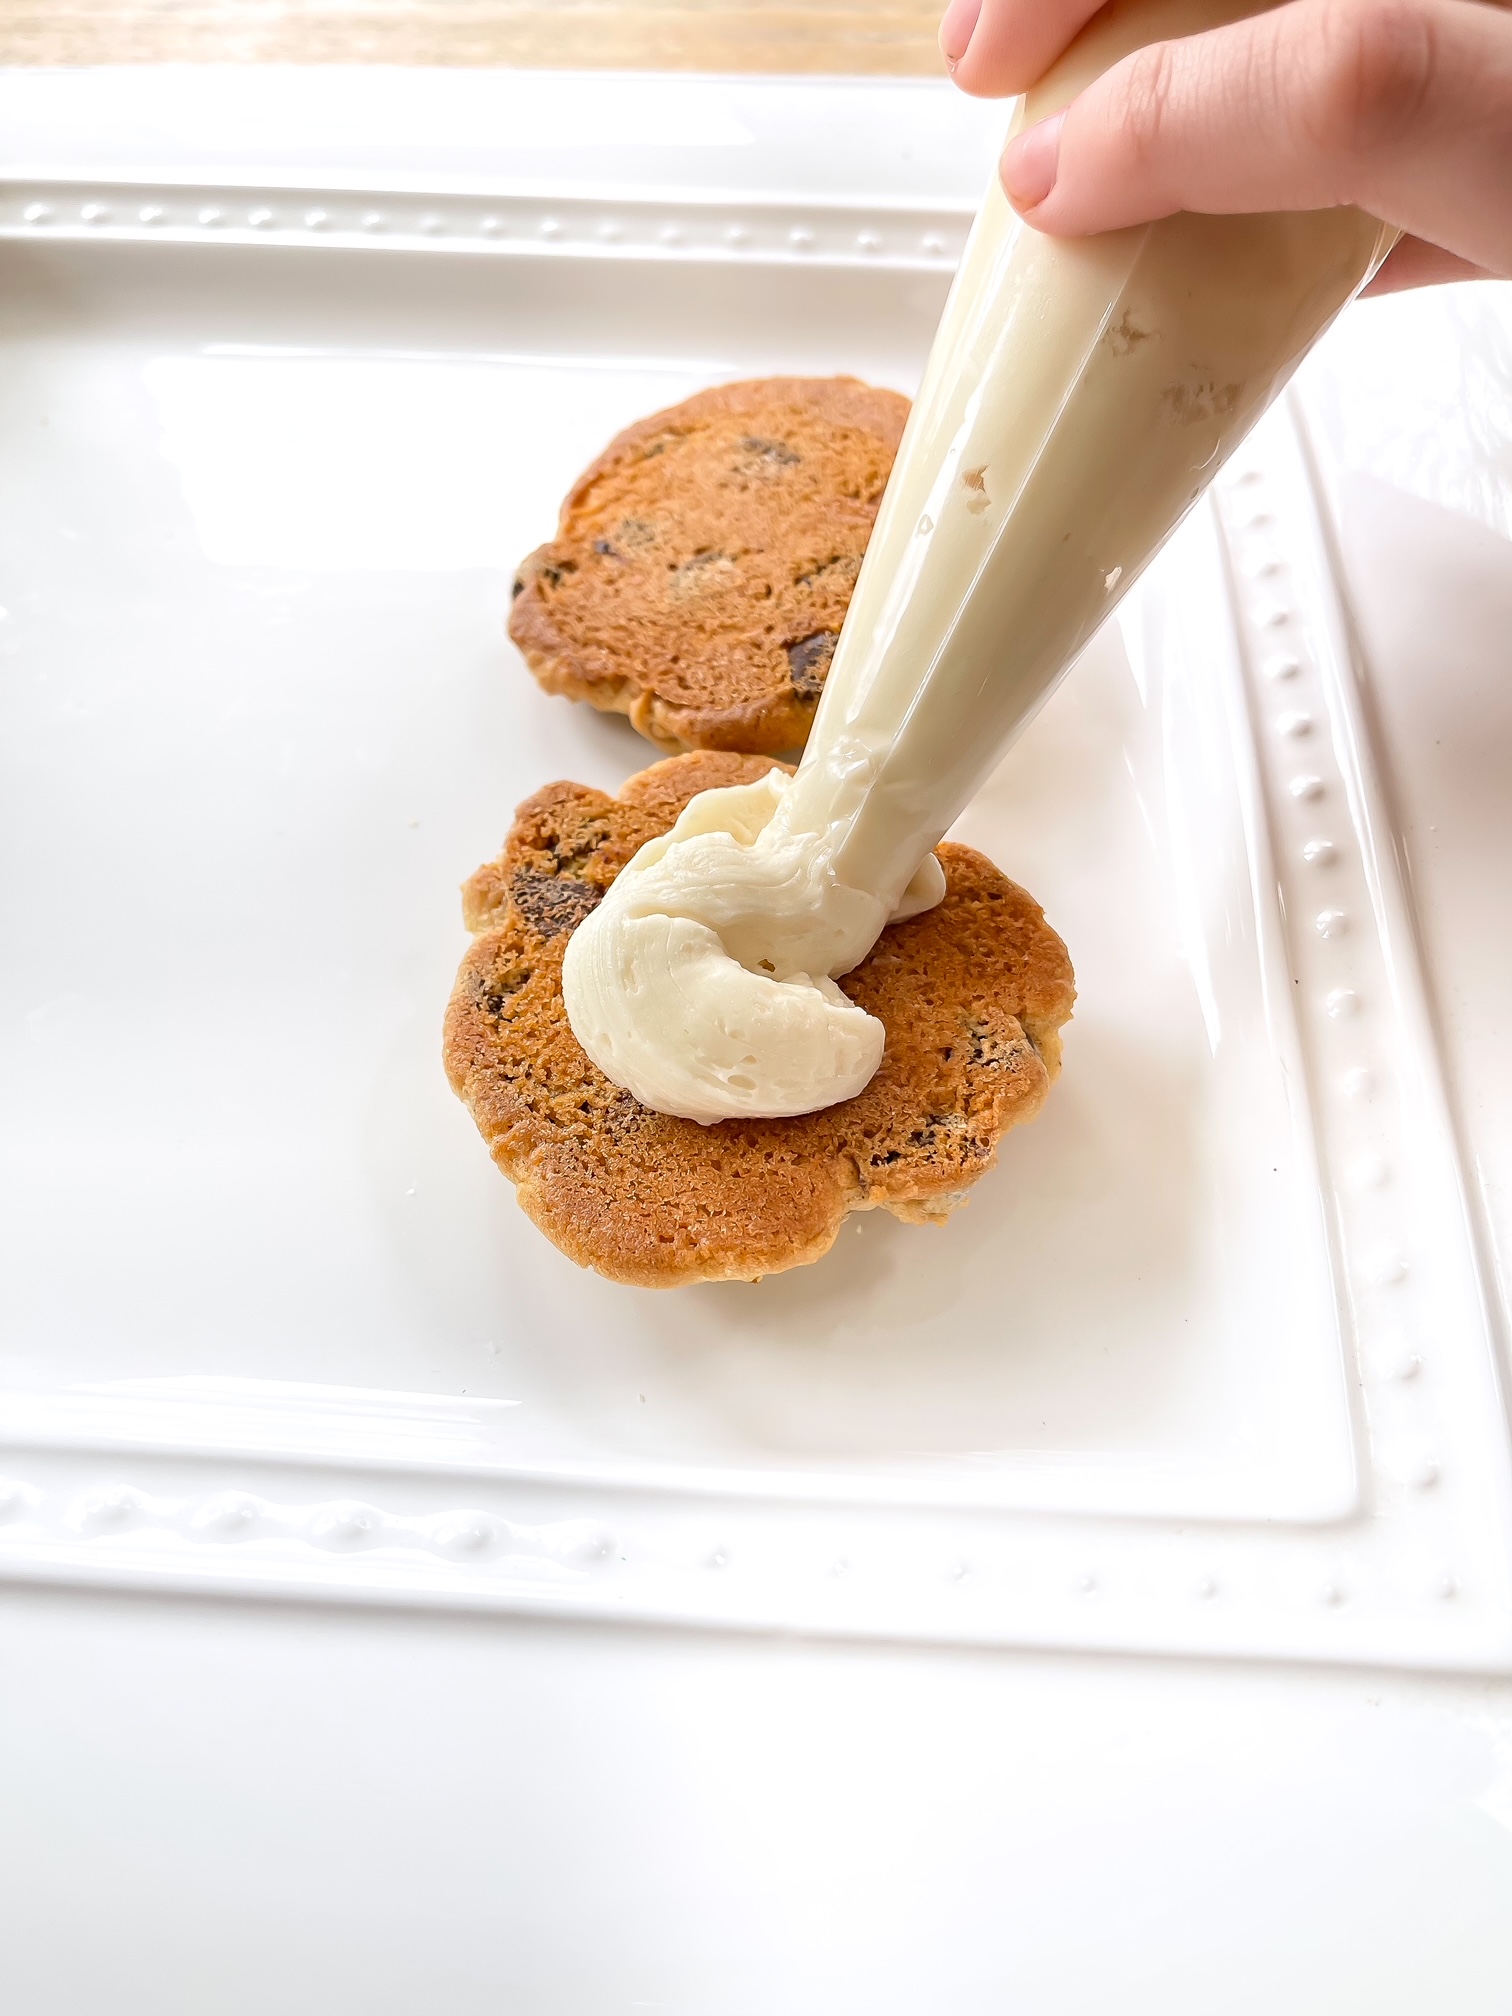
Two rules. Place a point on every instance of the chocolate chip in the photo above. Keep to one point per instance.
(569, 854)
(505, 984)
(809, 660)
(516, 589)
(603, 546)
(551, 904)
(776, 452)
(997, 1047)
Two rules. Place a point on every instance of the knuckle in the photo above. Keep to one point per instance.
(1144, 113)
(1374, 70)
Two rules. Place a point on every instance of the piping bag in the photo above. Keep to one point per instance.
(1079, 397)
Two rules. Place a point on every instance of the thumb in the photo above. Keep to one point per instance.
(1401, 106)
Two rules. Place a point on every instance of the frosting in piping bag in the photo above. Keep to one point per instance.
(1079, 398)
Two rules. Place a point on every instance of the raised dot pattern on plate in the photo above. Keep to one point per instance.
(571, 224)
(1347, 1039)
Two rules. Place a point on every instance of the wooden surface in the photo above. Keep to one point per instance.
(892, 38)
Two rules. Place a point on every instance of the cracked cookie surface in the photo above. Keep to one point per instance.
(973, 995)
(704, 563)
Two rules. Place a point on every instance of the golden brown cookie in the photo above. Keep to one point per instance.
(972, 995)
(704, 563)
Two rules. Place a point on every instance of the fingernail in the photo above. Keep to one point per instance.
(957, 29)
(1030, 162)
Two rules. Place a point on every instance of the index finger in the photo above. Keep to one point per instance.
(999, 47)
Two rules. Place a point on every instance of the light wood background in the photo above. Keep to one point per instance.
(891, 38)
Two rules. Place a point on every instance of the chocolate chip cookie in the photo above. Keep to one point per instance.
(703, 565)
(972, 994)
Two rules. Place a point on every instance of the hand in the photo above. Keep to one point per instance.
(1403, 107)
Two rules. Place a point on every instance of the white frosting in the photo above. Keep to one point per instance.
(1079, 398)
(703, 982)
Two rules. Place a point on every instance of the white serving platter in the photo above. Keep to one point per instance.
(1211, 1363)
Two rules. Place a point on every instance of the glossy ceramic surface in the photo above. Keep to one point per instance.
(1210, 1364)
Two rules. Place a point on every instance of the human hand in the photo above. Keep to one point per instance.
(1403, 107)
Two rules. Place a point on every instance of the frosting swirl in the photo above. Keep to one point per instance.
(704, 982)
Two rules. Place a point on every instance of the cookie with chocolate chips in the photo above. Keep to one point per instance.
(973, 995)
(704, 563)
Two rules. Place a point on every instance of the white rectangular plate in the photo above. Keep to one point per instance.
(1208, 1363)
